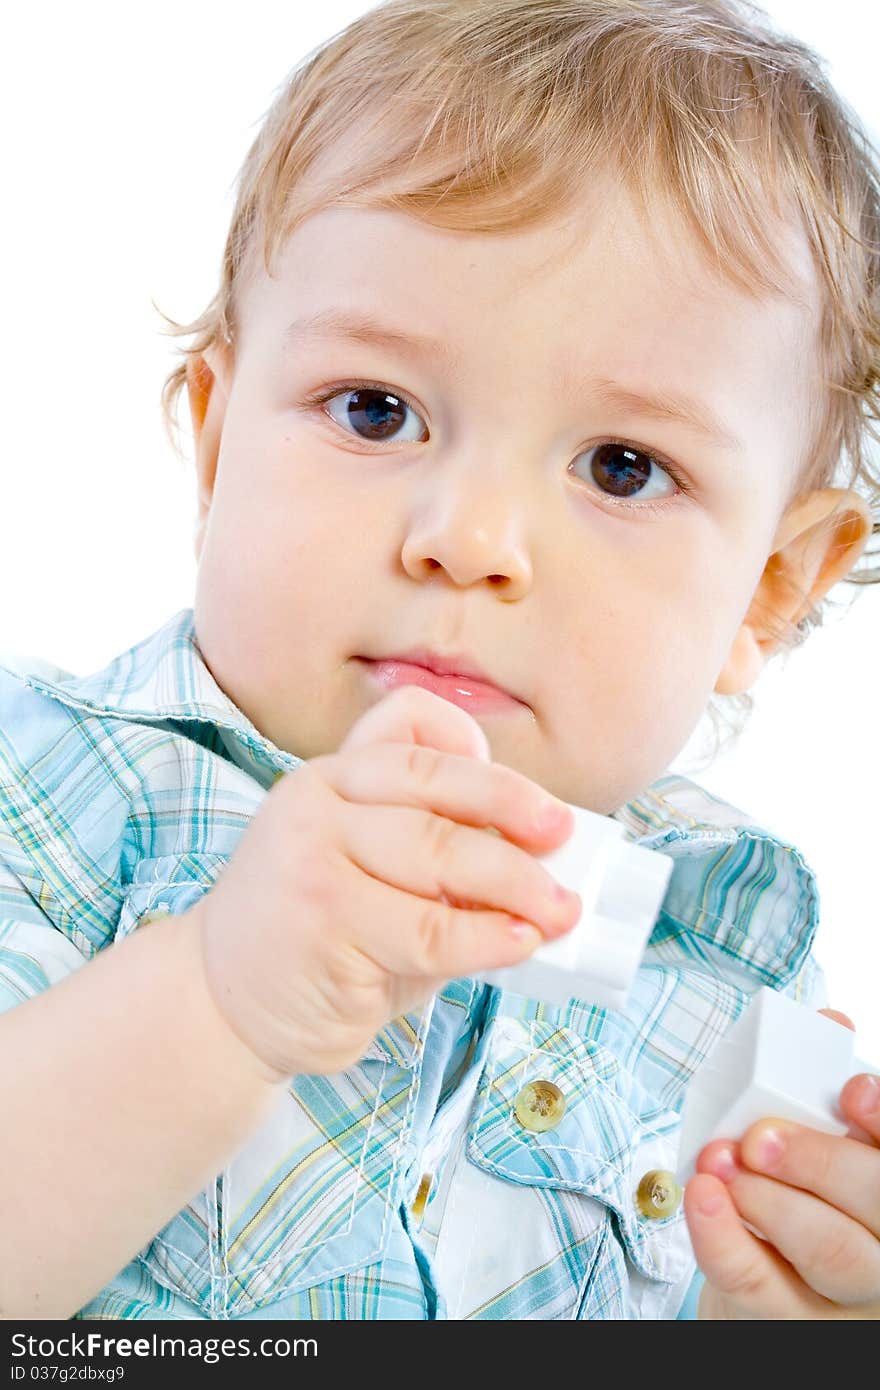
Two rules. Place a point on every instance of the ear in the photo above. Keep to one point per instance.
(817, 543)
(208, 376)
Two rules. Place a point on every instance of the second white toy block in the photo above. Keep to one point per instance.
(779, 1059)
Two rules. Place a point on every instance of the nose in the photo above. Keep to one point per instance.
(471, 527)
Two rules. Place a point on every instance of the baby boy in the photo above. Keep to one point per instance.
(544, 333)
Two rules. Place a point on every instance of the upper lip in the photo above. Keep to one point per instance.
(450, 664)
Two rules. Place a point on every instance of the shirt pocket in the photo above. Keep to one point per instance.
(168, 885)
(312, 1193)
(557, 1114)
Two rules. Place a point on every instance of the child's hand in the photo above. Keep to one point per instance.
(363, 884)
(815, 1197)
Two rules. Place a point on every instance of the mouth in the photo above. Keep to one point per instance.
(467, 689)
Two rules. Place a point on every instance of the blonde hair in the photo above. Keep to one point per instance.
(486, 115)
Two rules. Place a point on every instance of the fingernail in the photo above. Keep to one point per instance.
(723, 1165)
(550, 813)
(561, 894)
(769, 1148)
(525, 933)
(868, 1095)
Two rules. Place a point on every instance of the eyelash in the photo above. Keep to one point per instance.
(320, 398)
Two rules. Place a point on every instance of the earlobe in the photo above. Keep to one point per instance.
(744, 663)
(817, 543)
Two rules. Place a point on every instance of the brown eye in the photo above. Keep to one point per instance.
(621, 471)
(372, 413)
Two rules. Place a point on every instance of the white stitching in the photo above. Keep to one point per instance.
(360, 1261)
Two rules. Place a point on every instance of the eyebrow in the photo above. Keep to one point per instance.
(661, 404)
(664, 404)
(364, 328)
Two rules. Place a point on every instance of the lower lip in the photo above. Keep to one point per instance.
(459, 690)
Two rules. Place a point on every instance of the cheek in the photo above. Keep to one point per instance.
(698, 585)
(285, 552)
(643, 661)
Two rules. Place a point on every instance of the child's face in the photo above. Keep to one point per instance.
(478, 526)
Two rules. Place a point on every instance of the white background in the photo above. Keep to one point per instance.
(123, 131)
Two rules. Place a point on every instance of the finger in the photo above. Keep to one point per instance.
(835, 1256)
(860, 1104)
(411, 714)
(421, 939)
(449, 784)
(860, 1097)
(835, 1168)
(432, 857)
(739, 1265)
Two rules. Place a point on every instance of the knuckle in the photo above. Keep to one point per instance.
(423, 764)
(440, 836)
(821, 1162)
(432, 932)
(745, 1281)
(835, 1254)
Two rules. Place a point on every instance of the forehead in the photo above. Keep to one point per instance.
(610, 288)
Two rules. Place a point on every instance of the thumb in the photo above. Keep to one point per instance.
(411, 714)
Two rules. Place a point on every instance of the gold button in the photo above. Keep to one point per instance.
(539, 1106)
(421, 1198)
(658, 1194)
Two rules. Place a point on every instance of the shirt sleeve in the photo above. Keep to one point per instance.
(809, 986)
(34, 954)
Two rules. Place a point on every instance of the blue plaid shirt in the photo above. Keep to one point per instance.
(405, 1186)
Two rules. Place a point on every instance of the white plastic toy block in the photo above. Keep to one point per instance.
(779, 1059)
(621, 887)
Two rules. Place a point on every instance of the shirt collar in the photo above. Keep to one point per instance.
(165, 677)
(734, 884)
